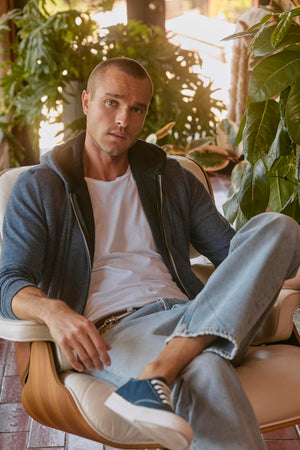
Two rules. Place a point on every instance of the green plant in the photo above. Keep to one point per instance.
(269, 176)
(211, 152)
(52, 49)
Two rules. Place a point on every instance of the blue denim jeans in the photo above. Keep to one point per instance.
(232, 306)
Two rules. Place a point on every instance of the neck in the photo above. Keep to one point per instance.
(104, 167)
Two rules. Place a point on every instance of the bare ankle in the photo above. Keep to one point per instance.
(179, 352)
(155, 369)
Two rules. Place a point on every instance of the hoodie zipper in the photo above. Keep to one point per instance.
(84, 239)
(165, 239)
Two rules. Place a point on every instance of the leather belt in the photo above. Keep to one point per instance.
(106, 323)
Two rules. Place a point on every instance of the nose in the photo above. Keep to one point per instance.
(122, 118)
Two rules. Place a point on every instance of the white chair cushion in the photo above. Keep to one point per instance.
(89, 394)
(7, 180)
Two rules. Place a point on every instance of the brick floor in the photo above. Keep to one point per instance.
(19, 432)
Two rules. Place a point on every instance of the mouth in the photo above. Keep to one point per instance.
(118, 135)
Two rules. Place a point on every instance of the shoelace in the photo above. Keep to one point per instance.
(163, 392)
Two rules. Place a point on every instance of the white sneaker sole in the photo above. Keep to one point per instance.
(164, 428)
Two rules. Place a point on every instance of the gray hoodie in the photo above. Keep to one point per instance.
(48, 231)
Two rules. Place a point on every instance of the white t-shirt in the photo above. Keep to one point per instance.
(127, 269)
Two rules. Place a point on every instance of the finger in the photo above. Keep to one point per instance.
(107, 345)
(71, 356)
(96, 347)
(88, 354)
(101, 346)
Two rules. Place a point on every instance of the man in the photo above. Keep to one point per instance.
(102, 228)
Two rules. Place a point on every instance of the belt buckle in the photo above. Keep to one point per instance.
(113, 320)
(107, 324)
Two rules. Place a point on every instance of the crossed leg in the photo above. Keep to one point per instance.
(223, 319)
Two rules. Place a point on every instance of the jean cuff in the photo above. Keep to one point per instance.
(226, 344)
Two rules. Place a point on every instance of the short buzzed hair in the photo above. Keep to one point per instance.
(127, 65)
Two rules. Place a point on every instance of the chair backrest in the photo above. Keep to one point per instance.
(7, 179)
(197, 170)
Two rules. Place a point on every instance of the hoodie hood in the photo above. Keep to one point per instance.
(67, 161)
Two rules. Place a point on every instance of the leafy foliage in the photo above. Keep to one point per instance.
(270, 129)
(56, 48)
(213, 152)
(51, 50)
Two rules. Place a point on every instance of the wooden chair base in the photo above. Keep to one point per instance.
(49, 402)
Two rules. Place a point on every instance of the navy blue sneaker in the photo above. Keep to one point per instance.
(147, 404)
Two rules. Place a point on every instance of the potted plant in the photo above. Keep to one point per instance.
(268, 177)
(213, 152)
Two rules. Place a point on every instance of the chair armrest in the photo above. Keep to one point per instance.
(278, 325)
(23, 331)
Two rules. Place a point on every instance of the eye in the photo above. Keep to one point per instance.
(110, 102)
(138, 110)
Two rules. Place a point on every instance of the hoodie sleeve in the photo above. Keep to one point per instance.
(210, 232)
(24, 241)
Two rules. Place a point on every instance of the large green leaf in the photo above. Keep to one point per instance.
(255, 190)
(281, 28)
(262, 45)
(230, 207)
(241, 220)
(281, 145)
(281, 190)
(239, 135)
(260, 129)
(283, 99)
(273, 74)
(286, 165)
(292, 112)
(292, 207)
(237, 175)
(210, 157)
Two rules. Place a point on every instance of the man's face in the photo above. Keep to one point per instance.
(116, 111)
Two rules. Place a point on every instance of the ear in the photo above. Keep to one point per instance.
(85, 101)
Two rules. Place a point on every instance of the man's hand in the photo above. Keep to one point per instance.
(75, 334)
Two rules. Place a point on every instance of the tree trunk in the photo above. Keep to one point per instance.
(150, 12)
(23, 135)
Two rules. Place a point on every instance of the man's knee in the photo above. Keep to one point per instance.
(277, 222)
(269, 226)
(283, 229)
